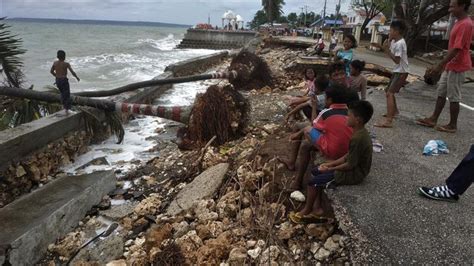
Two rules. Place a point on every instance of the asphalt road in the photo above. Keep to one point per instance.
(401, 227)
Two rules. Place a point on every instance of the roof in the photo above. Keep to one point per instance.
(327, 22)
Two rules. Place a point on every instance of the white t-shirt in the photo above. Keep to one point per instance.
(333, 40)
(399, 48)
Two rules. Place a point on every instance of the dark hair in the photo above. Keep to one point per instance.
(466, 3)
(353, 40)
(358, 64)
(61, 55)
(399, 25)
(321, 82)
(351, 96)
(362, 109)
(337, 93)
(336, 66)
(306, 70)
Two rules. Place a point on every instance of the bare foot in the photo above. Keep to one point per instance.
(295, 185)
(446, 128)
(384, 124)
(295, 137)
(289, 165)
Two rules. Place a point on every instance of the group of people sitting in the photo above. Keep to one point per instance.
(335, 113)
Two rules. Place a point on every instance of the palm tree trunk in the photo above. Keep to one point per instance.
(177, 113)
(156, 82)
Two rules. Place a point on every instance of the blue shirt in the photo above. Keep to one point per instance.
(346, 56)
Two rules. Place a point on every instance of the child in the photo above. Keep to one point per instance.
(333, 42)
(316, 97)
(59, 71)
(358, 81)
(329, 134)
(350, 169)
(309, 76)
(347, 53)
(398, 54)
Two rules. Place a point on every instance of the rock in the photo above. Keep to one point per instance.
(319, 231)
(269, 255)
(286, 231)
(322, 254)
(20, 171)
(140, 225)
(215, 250)
(265, 51)
(208, 216)
(117, 263)
(189, 242)
(271, 128)
(254, 253)
(330, 245)
(68, 245)
(315, 247)
(298, 196)
(246, 216)
(157, 234)
(148, 206)
(203, 186)
(105, 203)
(118, 212)
(251, 243)
(237, 256)
(103, 251)
(180, 229)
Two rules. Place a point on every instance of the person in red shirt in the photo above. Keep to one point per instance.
(329, 133)
(453, 66)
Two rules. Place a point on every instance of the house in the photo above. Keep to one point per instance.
(357, 17)
(320, 23)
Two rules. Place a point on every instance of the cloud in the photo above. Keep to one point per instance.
(180, 11)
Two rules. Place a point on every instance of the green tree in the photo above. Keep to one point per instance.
(259, 19)
(372, 8)
(10, 50)
(292, 19)
(273, 9)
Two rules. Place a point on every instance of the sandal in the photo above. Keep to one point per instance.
(296, 218)
(316, 219)
(383, 125)
(445, 129)
(425, 122)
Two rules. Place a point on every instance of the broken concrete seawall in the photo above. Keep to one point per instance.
(33, 151)
(216, 39)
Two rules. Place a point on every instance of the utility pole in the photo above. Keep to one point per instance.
(324, 10)
(305, 14)
(338, 10)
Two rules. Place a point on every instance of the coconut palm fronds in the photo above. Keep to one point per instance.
(10, 50)
(94, 125)
(20, 111)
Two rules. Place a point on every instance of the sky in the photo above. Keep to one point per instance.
(188, 12)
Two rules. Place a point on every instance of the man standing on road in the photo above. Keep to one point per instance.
(453, 67)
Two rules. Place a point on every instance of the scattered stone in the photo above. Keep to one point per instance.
(254, 253)
(315, 247)
(319, 231)
(270, 255)
(251, 243)
(118, 212)
(180, 229)
(148, 206)
(105, 203)
(330, 245)
(322, 254)
(117, 263)
(298, 196)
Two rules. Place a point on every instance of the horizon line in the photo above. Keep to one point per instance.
(99, 20)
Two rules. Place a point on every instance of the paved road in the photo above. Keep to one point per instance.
(400, 226)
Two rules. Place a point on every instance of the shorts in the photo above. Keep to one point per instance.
(396, 82)
(332, 46)
(314, 136)
(63, 86)
(450, 85)
(319, 179)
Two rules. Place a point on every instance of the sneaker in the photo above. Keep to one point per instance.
(438, 193)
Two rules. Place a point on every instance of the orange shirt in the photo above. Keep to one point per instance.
(460, 38)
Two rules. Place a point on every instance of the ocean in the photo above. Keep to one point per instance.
(103, 55)
(106, 56)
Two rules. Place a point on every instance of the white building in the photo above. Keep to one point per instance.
(357, 17)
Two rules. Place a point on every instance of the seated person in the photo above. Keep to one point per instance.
(317, 96)
(350, 169)
(309, 77)
(358, 81)
(337, 76)
(329, 134)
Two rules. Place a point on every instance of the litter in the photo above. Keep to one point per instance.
(298, 196)
(435, 147)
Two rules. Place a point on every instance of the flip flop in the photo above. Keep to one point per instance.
(445, 129)
(383, 125)
(422, 122)
(316, 219)
(295, 218)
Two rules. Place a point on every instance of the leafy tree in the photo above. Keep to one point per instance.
(259, 19)
(372, 8)
(419, 16)
(273, 9)
(292, 18)
(10, 50)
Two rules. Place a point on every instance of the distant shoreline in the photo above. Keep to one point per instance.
(100, 22)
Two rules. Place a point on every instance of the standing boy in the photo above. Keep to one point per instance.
(454, 66)
(349, 169)
(398, 54)
(59, 71)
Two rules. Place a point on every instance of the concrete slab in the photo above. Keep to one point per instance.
(203, 186)
(30, 223)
